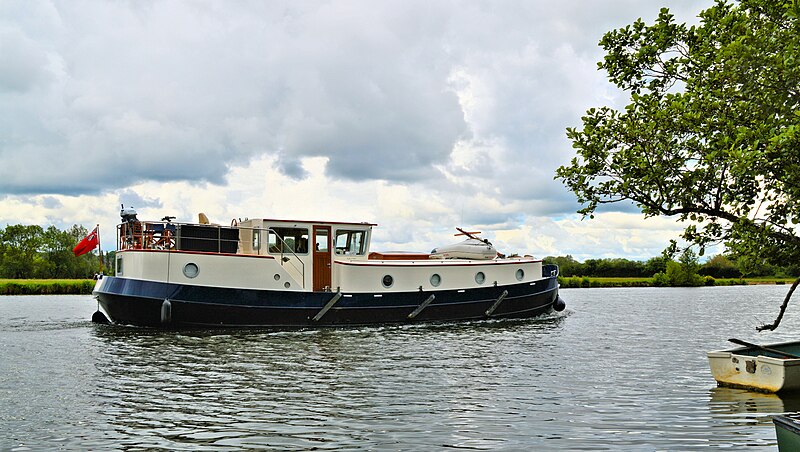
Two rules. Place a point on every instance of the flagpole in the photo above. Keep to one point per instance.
(99, 247)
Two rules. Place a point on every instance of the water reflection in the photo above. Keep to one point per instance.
(624, 369)
(311, 388)
(727, 401)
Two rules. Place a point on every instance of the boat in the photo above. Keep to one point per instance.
(472, 247)
(288, 273)
(765, 368)
(787, 431)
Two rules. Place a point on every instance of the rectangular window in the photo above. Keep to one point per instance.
(321, 240)
(350, 242)
(288, 240)
(256, 240)
(119, 266)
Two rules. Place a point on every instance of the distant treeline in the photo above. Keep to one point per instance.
(718, 267)
(32, 252)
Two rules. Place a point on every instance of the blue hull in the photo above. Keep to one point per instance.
(136, 302)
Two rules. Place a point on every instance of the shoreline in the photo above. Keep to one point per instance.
(46, 286)
(577, 282)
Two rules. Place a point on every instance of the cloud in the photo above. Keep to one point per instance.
(414, 114)
(145, 92)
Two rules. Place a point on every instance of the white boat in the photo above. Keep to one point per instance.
(765, 368)
(269, 272)
(471, 248)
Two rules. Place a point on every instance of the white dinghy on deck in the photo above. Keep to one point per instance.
(473, 247)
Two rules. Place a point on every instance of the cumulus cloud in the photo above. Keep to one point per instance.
(427, 114)
(183, 91)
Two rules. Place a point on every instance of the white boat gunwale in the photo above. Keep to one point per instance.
(439, 262)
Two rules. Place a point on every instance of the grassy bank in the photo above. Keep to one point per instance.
(585, 281)
(46, 286)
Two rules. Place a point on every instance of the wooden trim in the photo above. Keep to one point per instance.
(320, 223)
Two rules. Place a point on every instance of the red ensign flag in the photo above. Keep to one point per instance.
(88, 243)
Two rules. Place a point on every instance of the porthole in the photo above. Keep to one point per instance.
(520, 274)
(480, 277)
(387, 281)
(277, 277)
(286, 284)
(436, 280)
(191, 270)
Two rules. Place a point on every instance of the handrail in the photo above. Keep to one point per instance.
(283, 260)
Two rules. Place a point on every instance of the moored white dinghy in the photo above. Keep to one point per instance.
(772, 368)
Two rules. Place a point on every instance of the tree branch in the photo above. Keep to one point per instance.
(783, 309)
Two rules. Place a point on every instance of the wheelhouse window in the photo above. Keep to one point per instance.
(351, 242)
(321, 240)
(288, 240)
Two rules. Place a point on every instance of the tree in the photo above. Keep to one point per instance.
(711, 134)
(720, 266)
(655, 265)
(682, 273)
(567, 265)
(19, 251)
(33, 252)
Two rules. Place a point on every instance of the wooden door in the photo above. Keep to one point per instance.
(322, 257)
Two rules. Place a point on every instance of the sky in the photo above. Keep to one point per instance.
(420, 116)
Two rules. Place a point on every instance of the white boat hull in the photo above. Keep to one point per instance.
(752, 369)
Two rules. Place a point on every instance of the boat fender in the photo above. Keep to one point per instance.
(559, 305)
(166, 312)
(99, 317)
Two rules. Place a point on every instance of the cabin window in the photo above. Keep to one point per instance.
(119, 266)
(350, 242)
(436, 280)
(288, 240)
(256, 240)
(520, 274)
(480, 277)
(321, 240)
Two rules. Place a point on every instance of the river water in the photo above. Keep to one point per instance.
(619, 369)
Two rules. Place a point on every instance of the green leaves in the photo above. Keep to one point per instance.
(28, 251)
(711, 133)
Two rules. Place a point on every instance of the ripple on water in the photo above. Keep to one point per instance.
(620, 369)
